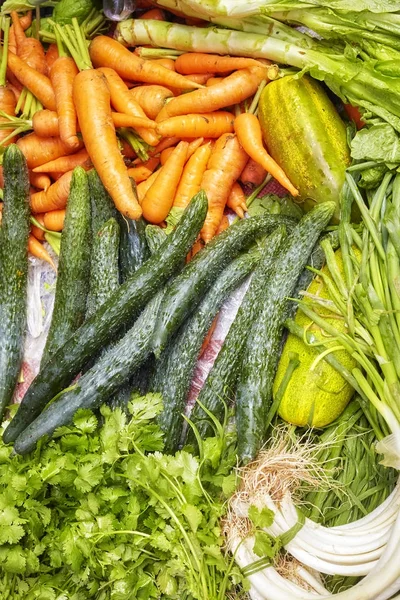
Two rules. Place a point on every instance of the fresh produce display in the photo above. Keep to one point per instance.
(200, 307)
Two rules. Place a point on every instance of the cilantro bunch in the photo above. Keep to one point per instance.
(100, 512)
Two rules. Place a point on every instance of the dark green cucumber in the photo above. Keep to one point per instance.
(185, 291)
(99, 383)
(219, 387)
(120, 310)
(103, 207)
(104, 269)
(174, 369)
(154, 237)
(254, 389)
(72, 285)
(14, 233)
(133, 249)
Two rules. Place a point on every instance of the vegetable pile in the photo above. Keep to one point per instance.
(139, 162)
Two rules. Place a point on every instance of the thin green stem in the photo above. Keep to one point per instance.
(4, 52)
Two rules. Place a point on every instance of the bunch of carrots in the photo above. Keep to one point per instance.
(172, 125)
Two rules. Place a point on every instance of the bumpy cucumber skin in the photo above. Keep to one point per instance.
(184, 293)
(175, 367)
(14, 233)
(219, 387)
(306, 136)
(73, 275)
(121, 309)
(103, 207)
(133, 250)
(261, 351)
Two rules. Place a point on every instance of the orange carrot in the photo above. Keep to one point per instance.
(123, 102)
(197, 246)
(213, 80)
(56, 176)
(237, 200)
(192, 175)
(139, 174)
(38, 250)
(248, 130)
(151, 98)
(62, 75)
(51, 56)
(151, 163)
(54, 219)
(124, 120)
(224, 224)
(197, 62)
(226, 162)
(35, 82)
(62, 164)
(39, 180)
(1, 177)
(231, 90)
(29, 49)
(253, 173)
(92, 97)
(144, 186)
(26, 20)
(56, 196)
(160, 197)
(45, 123)
(36, 231)
(208, 337)
(193, 145)
(106, 52)
(8, 103)
(211, 125)
(38, 150)
(166, 143)
(200, 78)
(168, 63)
(155, 14)
(165, 154)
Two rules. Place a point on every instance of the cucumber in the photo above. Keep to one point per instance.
(99, 383)
(219, 387)
(186, 290)
(104, 270)
(103, 208)
(154, 237)
(306, 136)
(133, 249)
(121, 309)
(73, 267)
(174, 369)
(254, 390)
(14, 233)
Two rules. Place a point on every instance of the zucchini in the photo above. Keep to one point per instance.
(104, 270)
(103, 208)
(14, 233)
(254, 390)
(184, 293)
(119, 310)
(133, 249)
(174, 369)
(72, 284)
(99, 383)
(218, 389)
(314, 397)
(306, 136)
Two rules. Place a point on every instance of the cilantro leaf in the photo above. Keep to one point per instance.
(263, 517)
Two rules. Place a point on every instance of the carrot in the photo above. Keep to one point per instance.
(213, 80)
(126, 149)
(92, 97)
(151, 163)
(224, 224)
(224, 167)
(8, 103)
(237, 200)
(29, 49)
(1, 177)
(160, 197)
(54, 219)
(200, 78)
(155, 14)
(231, 90)
(36, 231)
(62, 164)
(248, 130)
(166, 143)
(192, 175)
(26, 20)
(139, 174)
(62, 75)
(144, 186)
(106, 52)
(56, 176)
(35, 82)
(165, 154)
(54, 197)
(211, 125)
(38, 250)
(39, 180)
(198, 62)
(124, 120)
(168, 63)
(208, 337)
(38, 150)
(51, 56)
(253, 173)
(45, 123)
(123, 102)
(193, 145)
(151, 98)
(197, 246)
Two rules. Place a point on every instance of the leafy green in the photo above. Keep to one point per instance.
(379, 142)
(100, 512)
(65, 10)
